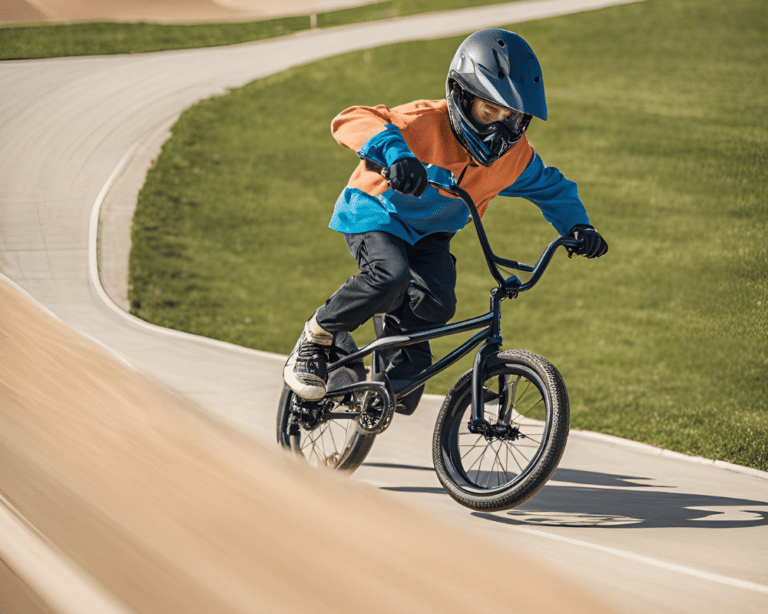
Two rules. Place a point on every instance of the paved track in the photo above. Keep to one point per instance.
(649, 531)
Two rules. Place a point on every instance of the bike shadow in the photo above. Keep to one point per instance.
(578, 498)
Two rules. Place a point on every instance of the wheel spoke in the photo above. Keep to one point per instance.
(478, 459)
(519, 399)
(339, 450)
(526, 436)
(318, 442)
(532, 407)
(471, 446)
(502, 467)
(490, 473)
(517, 450)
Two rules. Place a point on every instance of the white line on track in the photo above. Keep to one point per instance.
(93, 272)
(647, 560)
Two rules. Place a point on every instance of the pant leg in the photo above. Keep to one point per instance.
(432, 290)
(430, 301)
(414, 284)
(380, 286)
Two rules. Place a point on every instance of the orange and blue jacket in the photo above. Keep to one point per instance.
(421, 129)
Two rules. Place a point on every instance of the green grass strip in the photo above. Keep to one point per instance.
(657, 110)
(108, 37)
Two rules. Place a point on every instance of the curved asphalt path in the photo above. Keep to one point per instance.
(647, 530)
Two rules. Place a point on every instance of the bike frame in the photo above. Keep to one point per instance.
(490, 323)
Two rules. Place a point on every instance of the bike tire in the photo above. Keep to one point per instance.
(521, 463)
(337, 444)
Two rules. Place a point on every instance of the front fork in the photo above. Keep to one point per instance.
(478, 423)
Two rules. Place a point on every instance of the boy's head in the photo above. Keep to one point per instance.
(494, 87)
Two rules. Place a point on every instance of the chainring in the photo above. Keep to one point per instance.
(376, 412)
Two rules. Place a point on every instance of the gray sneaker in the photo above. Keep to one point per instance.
(306, 370)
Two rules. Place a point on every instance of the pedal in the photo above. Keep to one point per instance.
(337, 380)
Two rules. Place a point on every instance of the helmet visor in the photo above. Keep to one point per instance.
(488, 117)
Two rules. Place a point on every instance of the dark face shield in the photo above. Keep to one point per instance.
(486, 143)
(496, 137)
(515, 125)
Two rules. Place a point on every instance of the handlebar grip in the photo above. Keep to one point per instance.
(571, 244)
(377, 168)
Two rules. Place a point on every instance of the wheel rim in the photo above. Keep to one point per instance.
(485, 465)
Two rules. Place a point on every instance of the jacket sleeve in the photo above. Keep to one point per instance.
(556, 196)
(369, 132)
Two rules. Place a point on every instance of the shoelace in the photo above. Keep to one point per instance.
(313, 350)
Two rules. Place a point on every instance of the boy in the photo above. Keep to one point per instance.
(400, 231)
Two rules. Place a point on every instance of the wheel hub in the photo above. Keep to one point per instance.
(493, 432)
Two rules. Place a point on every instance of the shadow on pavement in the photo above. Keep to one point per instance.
(576, 498)
(607, 500)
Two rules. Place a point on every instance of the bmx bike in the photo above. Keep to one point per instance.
(503, 426)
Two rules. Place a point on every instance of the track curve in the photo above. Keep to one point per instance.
(619, 519)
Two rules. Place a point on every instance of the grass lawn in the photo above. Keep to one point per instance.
(109, 37)
(658, 110)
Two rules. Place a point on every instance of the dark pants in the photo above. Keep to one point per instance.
(414, 284)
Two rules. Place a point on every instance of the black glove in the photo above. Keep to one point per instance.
(408, 175)
(592, 243)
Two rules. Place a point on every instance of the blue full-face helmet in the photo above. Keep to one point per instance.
(500, 67)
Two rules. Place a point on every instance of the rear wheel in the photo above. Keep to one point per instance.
(500, 464)
(337, 444)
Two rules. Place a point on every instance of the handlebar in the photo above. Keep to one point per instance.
(445, 181)
(512, 284)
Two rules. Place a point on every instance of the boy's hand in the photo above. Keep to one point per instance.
(408, 175)
(592, 243)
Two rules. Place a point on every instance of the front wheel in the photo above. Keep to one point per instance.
(512, 456)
